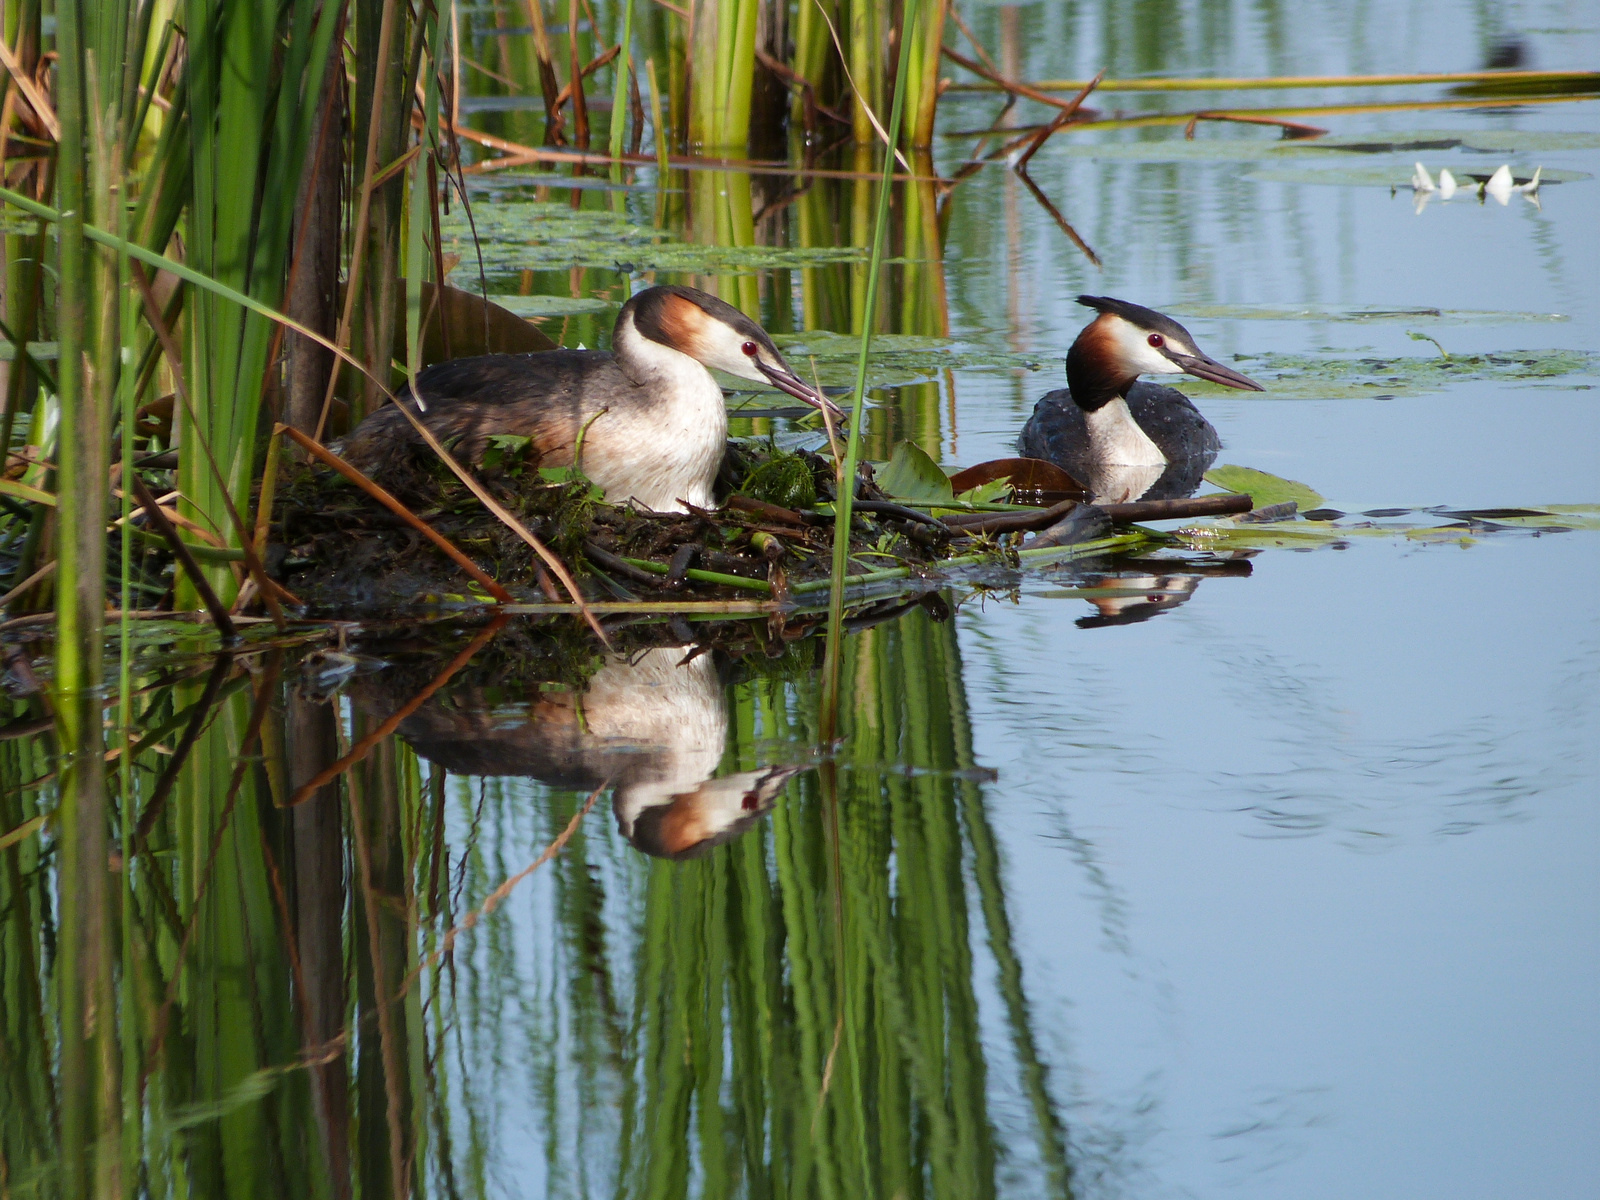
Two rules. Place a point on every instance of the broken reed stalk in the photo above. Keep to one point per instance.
(1010, 87)
(1155, 120)
(180, 551)
(1061, 118)
(1294, 129)
(1137, 510)
(328, 457)
(846, 486)
(447, 943)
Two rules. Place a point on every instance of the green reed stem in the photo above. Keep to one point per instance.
(619, 92)
(829, 716)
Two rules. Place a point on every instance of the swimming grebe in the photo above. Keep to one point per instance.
(652, 418)
(1122, 439)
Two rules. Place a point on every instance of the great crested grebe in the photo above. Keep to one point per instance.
(653, 725)
(1121, 438)
(653, 422)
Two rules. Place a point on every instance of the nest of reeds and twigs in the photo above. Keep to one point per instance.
(338, 549)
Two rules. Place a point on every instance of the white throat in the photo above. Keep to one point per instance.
(666, 450)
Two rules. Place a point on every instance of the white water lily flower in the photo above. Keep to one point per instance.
(1499, 185)
(1447, 183)
(1421, 181)
(1531, 188)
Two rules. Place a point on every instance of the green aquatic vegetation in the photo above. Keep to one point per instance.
(897, 357)
(1398, 175)
(910, 474)
(1266, 490)
(534, 235)
(1489, 141)
(784, 479)
(1461, 527)
(1329, 312)
(1299, 376)
(553, 306)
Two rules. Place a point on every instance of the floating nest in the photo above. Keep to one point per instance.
(338, 550)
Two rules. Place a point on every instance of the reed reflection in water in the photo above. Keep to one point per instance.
(310, 1006)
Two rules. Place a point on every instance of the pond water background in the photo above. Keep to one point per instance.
(1289, 890)
(1301, 873)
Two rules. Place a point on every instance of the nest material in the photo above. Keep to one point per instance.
(341, 551)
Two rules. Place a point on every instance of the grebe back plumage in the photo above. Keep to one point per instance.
(652, 417)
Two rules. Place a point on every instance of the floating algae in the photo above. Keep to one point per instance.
(532, 235)
(1319, 377)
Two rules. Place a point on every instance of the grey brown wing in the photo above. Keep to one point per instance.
(466, 401)
(1171, 421)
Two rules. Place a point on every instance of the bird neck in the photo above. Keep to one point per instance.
(646, 361)
(1092, 378)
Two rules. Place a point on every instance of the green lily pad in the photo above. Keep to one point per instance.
(911, 475)
(1266, 490)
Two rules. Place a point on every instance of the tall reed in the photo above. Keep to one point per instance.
(847, 471)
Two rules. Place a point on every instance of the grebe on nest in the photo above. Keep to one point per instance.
(1122, 439)
(652, 418)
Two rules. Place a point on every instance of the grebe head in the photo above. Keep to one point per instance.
(1126, 341)
(715, 334)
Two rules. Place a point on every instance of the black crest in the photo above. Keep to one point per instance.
(1137, 314)
(650, 309)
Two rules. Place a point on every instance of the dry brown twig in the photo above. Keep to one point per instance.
(500, 893)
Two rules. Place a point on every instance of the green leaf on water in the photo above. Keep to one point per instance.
(987, 493)
(911, 475)
(1266, 490)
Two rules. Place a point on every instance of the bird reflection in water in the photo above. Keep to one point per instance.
(652, 724)
(1135, 590)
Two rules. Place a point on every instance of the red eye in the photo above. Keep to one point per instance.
(751, 349)
(1156, 340)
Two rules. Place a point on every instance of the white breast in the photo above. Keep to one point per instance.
(1115, 437)
(667, 450)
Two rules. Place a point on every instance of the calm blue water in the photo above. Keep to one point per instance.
(1307, 865)
(1301, 872)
